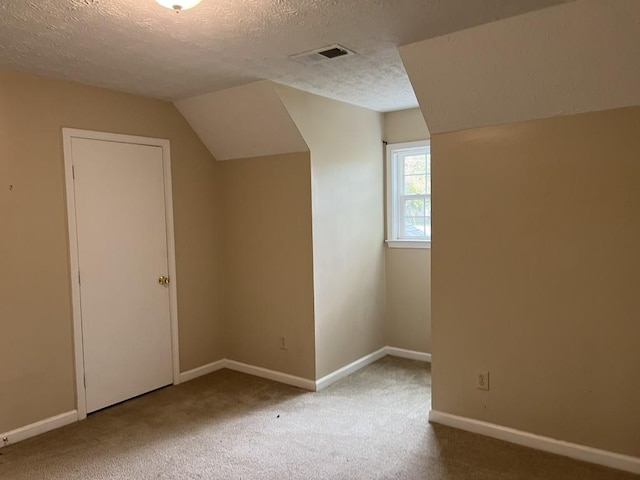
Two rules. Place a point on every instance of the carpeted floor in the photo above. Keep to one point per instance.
(227, 425)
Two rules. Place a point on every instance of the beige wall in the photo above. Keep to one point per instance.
(268, 257)
(535, 276)
(405, 126)
(408, 283)
(408, 270)
(347, 201)
(37, 374)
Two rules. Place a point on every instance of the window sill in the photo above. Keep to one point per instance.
(408, 244)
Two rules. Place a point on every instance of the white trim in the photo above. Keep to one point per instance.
(299, 381)
(410, 145)
(81, 403)
(67, 135)
(171, 259)
(408, 244)
(203, 370)
(333, 377)
(285, 378)
(61, 420)
(410, 354)
(393, 209)
(538, 442)
(37, 428)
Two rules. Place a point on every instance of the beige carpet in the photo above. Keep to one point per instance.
(227, 425)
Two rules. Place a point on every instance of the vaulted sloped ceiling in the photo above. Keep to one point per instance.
(572, 58)
(242, 122)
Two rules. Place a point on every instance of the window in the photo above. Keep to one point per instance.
(409, 195)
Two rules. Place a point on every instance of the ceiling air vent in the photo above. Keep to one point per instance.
(322, 54)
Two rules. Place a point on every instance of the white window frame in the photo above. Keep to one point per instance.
(394, 211)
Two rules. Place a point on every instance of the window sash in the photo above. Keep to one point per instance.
(401, 216)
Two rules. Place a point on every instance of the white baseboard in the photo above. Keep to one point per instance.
(63, 419)
(37, 428)
(538, 442)
(333, 377)
(200, 371)
(299, 382)
(410, 354)
(251, 370)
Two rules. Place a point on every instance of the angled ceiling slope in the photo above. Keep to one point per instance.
(573, 58)
(242, 122)
(139, 47)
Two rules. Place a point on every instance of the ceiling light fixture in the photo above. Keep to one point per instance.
(179, 5)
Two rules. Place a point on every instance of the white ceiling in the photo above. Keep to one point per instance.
(140, 47)
(255, 122)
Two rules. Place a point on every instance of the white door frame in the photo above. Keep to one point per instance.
(67, 135)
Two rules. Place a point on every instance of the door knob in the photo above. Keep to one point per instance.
(163, 280)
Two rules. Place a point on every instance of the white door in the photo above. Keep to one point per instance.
(122, 253)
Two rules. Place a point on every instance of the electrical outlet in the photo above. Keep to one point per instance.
(482, 380)
(283, 343)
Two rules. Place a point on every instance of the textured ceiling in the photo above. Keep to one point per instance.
(140, 47)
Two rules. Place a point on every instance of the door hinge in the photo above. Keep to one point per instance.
(73, 171)
(79, 282)
(84, 380)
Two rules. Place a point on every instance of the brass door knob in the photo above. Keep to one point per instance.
(163, 280)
